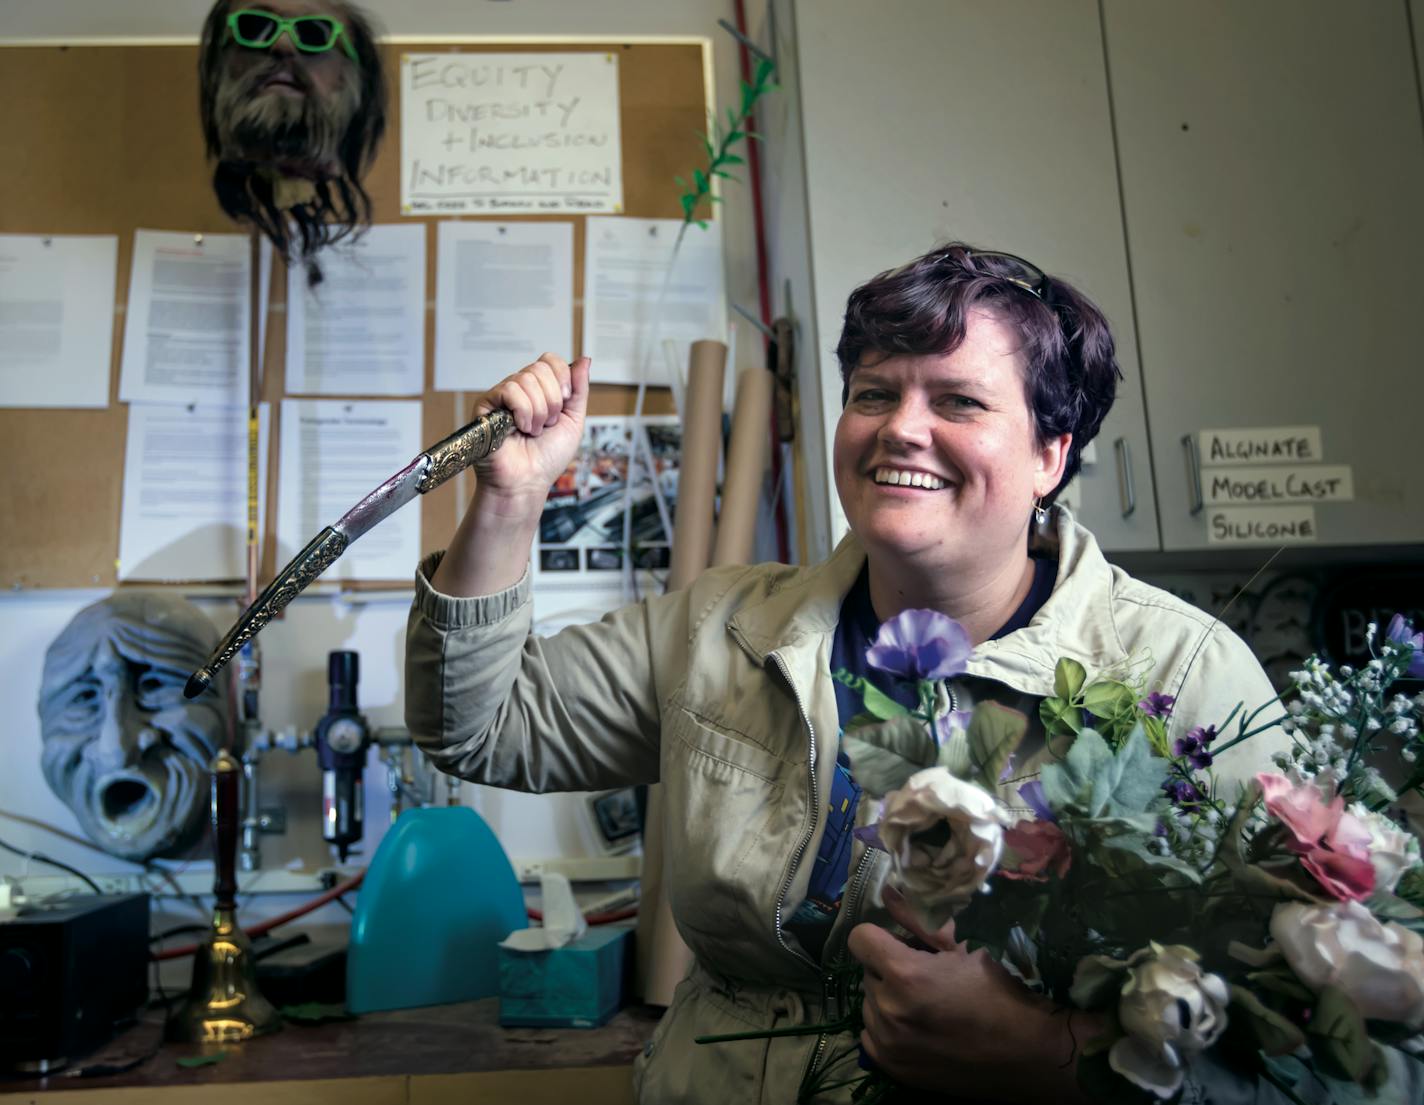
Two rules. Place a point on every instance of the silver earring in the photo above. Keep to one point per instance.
(1040, 512)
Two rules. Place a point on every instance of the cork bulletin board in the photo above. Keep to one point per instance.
(106, 140)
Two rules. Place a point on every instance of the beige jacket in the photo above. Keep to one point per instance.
(722, 691)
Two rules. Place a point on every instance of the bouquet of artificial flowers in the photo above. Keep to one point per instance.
(1276, 931)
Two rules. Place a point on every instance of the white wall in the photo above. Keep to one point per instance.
(295, 649)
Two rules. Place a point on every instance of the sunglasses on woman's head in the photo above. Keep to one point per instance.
(1031, 279)
(311, 34)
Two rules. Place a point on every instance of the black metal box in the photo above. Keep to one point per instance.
(71, 974)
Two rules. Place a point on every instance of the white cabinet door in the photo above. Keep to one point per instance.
(1272, 165)
(930, 120)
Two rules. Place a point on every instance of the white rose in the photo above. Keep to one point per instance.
(1392, 850)
(1170, 1009)
(945, 837)
(1380, 967)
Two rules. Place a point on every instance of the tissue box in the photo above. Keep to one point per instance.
(577, 986)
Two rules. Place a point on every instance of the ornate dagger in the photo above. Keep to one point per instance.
(432, 468)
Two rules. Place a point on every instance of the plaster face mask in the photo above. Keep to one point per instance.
(121, 746)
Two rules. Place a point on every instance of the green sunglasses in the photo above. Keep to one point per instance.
(311, 34)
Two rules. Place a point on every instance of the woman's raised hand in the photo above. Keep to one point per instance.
(490, 549)
(548, 400)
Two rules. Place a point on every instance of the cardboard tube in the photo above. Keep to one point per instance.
(697, 474)
(663, 959)
(748, 453)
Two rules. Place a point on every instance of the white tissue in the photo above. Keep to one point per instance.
(563, 920)
(11, 899)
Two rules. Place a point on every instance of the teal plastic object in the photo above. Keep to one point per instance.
(437, 899)
(577, 986)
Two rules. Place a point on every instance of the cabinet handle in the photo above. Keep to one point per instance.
(1126, 494)
(1194, 486)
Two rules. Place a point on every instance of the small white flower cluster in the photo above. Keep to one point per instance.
(1332, 718)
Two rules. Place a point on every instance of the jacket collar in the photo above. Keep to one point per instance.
(808, 605)
(1077, 620)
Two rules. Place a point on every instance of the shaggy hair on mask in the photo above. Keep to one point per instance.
(1070, 360)
(329, 142)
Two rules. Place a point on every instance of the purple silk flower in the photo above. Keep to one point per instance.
(920, 644)
(1184, 794)
(1402, 632)
(1194, 746)
(1157, 704)
(1034, 797)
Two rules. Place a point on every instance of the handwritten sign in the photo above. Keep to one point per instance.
(1266, 445)
(502, 133)
(1302, 483)
(1264, 525)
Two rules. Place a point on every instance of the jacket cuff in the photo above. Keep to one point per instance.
(448, 612)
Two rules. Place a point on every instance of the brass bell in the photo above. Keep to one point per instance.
(223, 1003)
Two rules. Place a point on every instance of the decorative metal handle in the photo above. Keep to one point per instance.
(317, 557)
(1194, 486)
(465, 446)
(1126, 494)
(226, 773)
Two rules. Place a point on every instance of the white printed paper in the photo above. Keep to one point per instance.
(184, 511)
(495, 134)
(504, 294)
(333, 454)
(1261, 525)
(1267, 484)
(186, 331)
(56, 319)
(1263, 445)
(361, 331)
(644, 287)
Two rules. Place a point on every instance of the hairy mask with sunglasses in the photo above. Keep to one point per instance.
(122, 747)
(293, 108)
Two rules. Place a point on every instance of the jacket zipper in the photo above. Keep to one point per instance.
(828, 979)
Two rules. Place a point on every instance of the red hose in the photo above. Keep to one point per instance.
(272, 922)
(596, 918)
(263, 927)
(783, 547)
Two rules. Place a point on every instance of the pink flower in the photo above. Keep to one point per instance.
(1040, 846)
(1333, 845)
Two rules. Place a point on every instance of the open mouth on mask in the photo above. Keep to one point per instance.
(127, 799)
(147, 809)
(127, 803)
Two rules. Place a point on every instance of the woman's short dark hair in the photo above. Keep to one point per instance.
(919, 309)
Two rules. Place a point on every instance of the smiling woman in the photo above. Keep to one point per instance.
(973, 382)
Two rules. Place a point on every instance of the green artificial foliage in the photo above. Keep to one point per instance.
(719, 144)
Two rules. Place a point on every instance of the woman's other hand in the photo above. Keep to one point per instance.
(955, 1021)
(548, 400)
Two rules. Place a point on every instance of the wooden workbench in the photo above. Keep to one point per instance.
(438, 1055)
